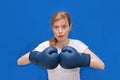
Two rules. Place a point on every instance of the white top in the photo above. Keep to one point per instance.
(60, 73)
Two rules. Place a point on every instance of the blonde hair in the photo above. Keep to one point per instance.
(58, 16)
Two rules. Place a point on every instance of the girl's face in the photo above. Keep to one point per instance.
(61, 29)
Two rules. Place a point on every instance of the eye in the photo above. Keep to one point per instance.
(55, 27)
(64, 27)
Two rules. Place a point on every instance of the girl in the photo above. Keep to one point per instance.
(61, 26)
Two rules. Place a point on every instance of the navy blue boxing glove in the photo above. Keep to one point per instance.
(70, 58)
(48, 58)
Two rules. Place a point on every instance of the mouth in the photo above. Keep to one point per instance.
(60, 36)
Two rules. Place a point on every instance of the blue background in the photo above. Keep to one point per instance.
(26, 23)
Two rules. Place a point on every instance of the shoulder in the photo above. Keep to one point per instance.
(76, 41)
(78, 44)
(42, 46)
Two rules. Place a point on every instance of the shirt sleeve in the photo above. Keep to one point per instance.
(81, 46)
(42, 46)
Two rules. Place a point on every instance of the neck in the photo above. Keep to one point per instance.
(61, 44)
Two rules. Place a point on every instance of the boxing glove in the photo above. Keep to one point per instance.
(71, 58)
(48, 58)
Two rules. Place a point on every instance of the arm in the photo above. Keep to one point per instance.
(95, 62)
(48, 58)
(23, 60)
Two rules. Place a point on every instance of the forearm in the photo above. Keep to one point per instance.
(95, 61)
(23, 60)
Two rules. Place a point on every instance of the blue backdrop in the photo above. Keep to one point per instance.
(26, 23)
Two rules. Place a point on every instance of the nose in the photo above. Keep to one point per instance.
(60, 30)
